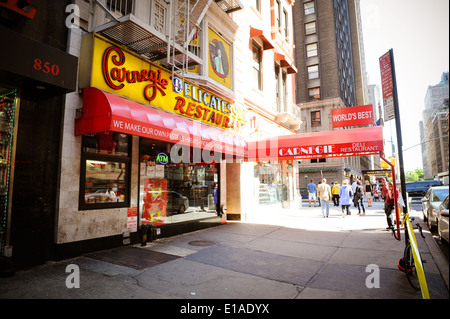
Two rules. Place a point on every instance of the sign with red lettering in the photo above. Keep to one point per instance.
(387, 86)
(352, 116)
(132, 215)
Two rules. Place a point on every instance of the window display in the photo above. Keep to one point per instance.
(171, 193)
(105, 182)
(105, 170)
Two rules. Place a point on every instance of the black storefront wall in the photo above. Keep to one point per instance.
(35, 63)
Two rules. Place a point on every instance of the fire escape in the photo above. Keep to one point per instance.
(168, 35)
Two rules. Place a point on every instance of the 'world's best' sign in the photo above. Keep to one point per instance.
(352, 116)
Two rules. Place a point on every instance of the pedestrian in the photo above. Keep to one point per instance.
(354, 186)
(389, 204)
(312, 193)
(345, 196)
(335, 193)
(359, 198)
(324, 194)
(384, 189)
(368, 191)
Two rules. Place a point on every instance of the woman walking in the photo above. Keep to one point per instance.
(345, 194)
(359, 198)
(368, 189)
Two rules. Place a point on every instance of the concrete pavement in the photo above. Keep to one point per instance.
(279, 254)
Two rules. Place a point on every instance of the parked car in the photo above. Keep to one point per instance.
(176, 203)
(430, 204)
(416, 190)
(442, 220)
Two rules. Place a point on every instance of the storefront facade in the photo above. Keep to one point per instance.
(146, 147)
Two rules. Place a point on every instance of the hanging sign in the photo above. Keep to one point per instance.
(387, 86)
(352, 116)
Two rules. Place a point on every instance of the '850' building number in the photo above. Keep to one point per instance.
(46, 67)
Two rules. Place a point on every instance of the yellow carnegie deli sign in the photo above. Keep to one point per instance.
(116, 70)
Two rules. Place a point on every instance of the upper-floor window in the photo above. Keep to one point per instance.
(122, 7)
(311, 50)
(257, 4)
(256, 64)
(278, 15)
(285, 24)
(313, 72)
(310, 28)
(314, 94)
(309, 7)
(315, 118)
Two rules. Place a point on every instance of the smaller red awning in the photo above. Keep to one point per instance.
(337, 143)
(267, 44)
(285, 62)
(104, 112)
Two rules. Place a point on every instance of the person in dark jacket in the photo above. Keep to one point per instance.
(389, 204)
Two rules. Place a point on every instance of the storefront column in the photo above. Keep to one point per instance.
(233, 189)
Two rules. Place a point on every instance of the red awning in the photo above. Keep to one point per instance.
(267, 44)
(337, 143)
(104, 112)
(285, 62)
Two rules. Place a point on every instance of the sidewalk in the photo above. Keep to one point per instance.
(282, 254)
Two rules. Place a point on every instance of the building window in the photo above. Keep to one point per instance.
(314, 94)
(311, 50)
(123, 7)
(257, 55)
(313, 72)
(278, 15)
(309, 7)
(105, 171)
(257, 4)
(310, 28)
(315, 118)
(285, 24)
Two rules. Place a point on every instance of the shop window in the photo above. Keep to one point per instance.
(173, 192)
(105, 171)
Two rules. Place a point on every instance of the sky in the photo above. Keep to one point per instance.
(418, 33)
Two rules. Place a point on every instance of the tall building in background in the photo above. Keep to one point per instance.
(434, 130)
(330, 58)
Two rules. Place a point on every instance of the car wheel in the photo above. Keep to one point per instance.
(182, 209)
(431, 227)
